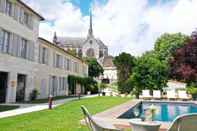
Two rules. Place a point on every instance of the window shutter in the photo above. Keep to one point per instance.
(11, 43)
(28, 54)
(21, 15)
(16, 11)
(2, 6)
(47, 56)
(54, 59)
(1, 40)
(12, 9)
(40, 54)
(14, 45)
(30, 22)
(19, 43)
(32, 51)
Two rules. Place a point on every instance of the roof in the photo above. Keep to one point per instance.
(107, 61)
(56, 46)
(71, 41)
(28, 7)
(76, 42)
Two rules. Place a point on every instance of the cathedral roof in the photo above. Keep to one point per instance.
(71, 41)
(76, 42)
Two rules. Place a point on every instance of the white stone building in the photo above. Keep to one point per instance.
(110, 71)
(21, 67)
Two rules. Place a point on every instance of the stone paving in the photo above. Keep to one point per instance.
(27, 108)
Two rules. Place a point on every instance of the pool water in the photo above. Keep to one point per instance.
(165, 112)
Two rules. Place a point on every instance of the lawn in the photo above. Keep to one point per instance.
(7, 107)
(62, 118)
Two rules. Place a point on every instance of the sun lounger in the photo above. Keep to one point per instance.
(171, 94)
(156, 94)
(183, 95)
(145, 94)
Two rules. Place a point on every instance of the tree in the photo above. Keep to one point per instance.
(149, 73)
(72, 52)
(183, 66)
(94, 68)
(124, 64)
(166, 44)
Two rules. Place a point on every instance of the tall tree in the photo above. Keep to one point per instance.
(94, 68)
(124, 63)
(149, 73)
(183, 66)
(166, 44)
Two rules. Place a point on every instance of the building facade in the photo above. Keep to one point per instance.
(55, 66)
(20, 55)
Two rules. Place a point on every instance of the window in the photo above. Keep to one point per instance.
(6, 41)
(26, 18)
(76, 67)
(8, 8)
(58, 62)
(44, 55)
(68, 65)
(24, 48)
(21, 15)
(90, 52)
(101, 53)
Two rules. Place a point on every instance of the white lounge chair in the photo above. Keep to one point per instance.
(156, 94)
(145, 94)
(183, 95)
(184, 123)
(171, 94)
(95, 125)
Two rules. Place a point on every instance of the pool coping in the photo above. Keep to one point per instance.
(111, 115)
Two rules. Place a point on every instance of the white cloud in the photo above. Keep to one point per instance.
(129, 25)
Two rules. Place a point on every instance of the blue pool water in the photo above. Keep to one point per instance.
(166, 112)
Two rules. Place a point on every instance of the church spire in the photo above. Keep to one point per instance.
(55, 38)
(90, 32)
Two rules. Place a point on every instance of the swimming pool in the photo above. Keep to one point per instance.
(166, 111)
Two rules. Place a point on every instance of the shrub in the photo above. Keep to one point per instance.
(34, 94)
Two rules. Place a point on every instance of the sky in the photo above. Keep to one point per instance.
(130, 26)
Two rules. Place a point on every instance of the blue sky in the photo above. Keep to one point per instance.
(123, 25)
(85, 5)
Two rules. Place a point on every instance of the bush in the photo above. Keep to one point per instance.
(193, 92)
(34, 94)
(87, 82)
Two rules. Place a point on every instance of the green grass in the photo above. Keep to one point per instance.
(46, 100)
(62, 118)
(6, 107)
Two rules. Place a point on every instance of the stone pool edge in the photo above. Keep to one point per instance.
(111, 115)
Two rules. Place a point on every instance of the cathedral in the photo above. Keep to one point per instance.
(83, 47)
(90, 47)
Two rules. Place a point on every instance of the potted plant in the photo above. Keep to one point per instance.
(150, 113)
